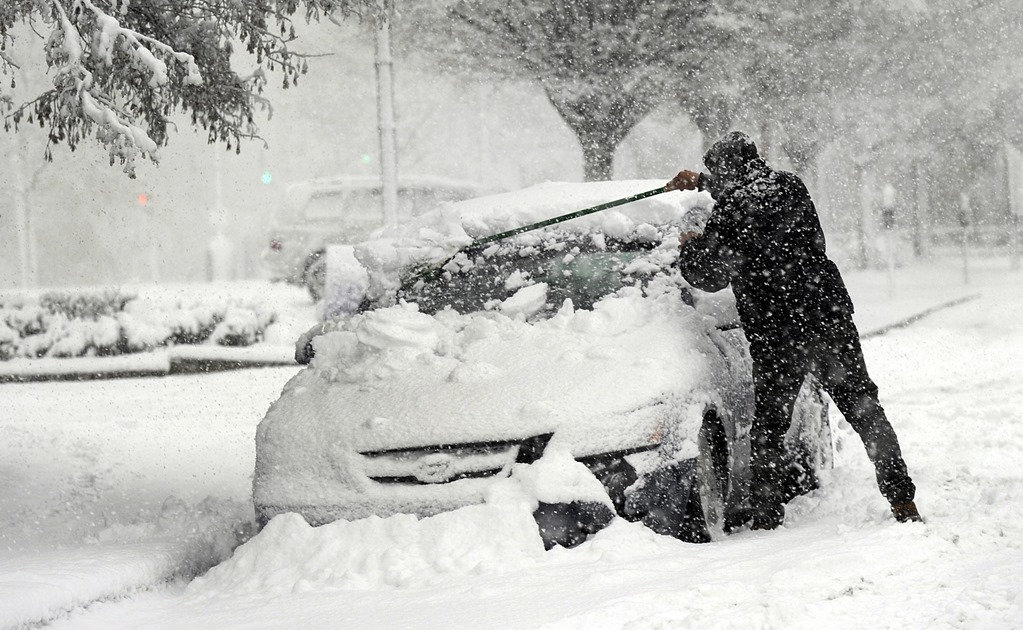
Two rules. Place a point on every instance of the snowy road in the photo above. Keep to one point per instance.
(87, 470)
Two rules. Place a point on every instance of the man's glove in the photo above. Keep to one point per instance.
(686, 237)
(304, 349)
(685, 180)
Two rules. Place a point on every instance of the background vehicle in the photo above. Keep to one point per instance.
(581, 339)
(346, 209)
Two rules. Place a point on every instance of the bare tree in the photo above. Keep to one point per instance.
(603, 64)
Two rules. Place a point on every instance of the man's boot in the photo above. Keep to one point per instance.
(906, 512)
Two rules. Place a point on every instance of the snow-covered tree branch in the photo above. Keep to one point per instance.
(121, 68)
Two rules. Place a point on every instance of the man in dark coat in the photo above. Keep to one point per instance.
(764, 238)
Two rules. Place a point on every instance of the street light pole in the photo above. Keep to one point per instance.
(888, 223)
(26, 182)
(385, 113)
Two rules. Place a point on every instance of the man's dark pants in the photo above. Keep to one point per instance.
(781, 361)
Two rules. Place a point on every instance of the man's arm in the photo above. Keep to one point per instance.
(704, 259)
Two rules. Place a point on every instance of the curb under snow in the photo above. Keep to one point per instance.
(912, 319)
(176, 360)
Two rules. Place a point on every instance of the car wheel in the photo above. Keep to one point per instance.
(707, 504)
(315, 275)
(569, 524)
(686, 499)
(808, 440)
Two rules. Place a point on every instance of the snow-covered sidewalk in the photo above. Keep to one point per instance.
(88, 468)
(111, 486)
(155, 310)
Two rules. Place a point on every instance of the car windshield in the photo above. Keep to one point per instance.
(364, 206)
(582, 275)
(356, 206)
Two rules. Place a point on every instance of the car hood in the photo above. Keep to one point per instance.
(599, 380)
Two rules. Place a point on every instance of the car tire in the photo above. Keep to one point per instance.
(686, 499)
(569, 524)
(314, 276)
(808, 441)
(711, 484)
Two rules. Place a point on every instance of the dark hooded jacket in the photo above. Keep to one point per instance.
(764, 238)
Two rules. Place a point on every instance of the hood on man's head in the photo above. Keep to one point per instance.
(729, 153)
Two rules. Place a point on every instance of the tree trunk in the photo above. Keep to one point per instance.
(764, 143)
(711, 116)
(803, 156)
(598, 155)
(600, 123)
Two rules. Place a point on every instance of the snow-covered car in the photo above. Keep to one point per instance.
(576, 350)
(345, 209)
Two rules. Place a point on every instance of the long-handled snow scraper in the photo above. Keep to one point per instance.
(428, 273)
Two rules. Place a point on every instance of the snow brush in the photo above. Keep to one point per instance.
(429, 273)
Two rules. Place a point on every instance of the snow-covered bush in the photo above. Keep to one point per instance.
(85, 305)
(8, 340)
(240, 327)
(105, 323)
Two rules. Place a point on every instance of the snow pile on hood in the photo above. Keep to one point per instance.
(632, 372)
(402, 378)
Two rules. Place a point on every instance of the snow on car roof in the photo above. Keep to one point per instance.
(442, 231)
(487, 215)
(490, 214)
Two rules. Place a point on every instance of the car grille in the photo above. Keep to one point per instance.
(450, 462)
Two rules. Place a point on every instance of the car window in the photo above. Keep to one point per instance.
(364, 207)
(415, 201)
(582, 275)
(587, 276)
(360, 207)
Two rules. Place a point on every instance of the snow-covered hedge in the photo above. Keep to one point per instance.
(107, 323)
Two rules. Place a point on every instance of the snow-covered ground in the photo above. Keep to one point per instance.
(117, 492)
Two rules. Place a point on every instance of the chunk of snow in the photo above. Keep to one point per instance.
(526, 302)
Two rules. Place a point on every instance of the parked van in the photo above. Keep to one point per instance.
(340, 210)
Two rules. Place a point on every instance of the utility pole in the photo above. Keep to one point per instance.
(1014, 184)
(920, 209)
(865, 180)
(385, 112)
(220, 255)
(964, 225)
(483, 94)
(888, 223)
(26, 181)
